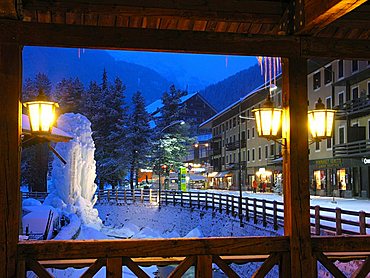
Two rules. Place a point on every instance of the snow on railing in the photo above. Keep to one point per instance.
(324, 221)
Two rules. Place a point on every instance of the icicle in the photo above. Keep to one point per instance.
(260, 63)
(226, 60)
(79, 53)
(275, 62)
(265, 73)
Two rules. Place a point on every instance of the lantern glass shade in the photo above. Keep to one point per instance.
(321, 123)
(268, 121)
(41, 115)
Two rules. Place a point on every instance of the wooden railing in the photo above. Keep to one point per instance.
(37, 256)
(35, 195)
(324, 221)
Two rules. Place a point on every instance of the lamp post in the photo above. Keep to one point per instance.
(180, 122)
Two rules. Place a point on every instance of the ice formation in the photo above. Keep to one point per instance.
(72, 186)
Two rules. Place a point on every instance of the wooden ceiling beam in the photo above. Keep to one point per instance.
(320, 13)
(218, 10)
(8, 9)
(38, 34)
(58, 35)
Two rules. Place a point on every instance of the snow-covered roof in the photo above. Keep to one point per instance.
(157, 105)
(259, 88)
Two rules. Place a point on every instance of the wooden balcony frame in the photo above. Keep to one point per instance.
(306, 19)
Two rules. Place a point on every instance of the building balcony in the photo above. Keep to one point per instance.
(232, 146)
(354, 108)
(352, 149)
(217, 151)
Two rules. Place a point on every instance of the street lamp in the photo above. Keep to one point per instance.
(41, 113)
(321, 122)
(180, 122)
(268, 120)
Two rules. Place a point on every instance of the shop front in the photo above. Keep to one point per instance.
(339, 177)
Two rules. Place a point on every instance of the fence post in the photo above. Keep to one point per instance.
(116, 196)
(142, 195)
(206, 201)
(255, 210)
(227, 204)
(198, 200)
(174, 197)
(246, 208)
(150, 196)
(213, 201)
(108, 195)
(276, 227)
(338, 221)
(133, 196)
(362, 221)
(190, 201)
(317, 220)
(220, 202)
(124, 196)
(232, 205)
(182, 198)
(264, 213)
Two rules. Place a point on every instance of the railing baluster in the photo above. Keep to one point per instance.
(264, 222)
(362, 220)
(213, 202)
(204, 267)
(247, 208)
(220, 202)
(174, 197)
(190, 199)
(182, 198)
(198, 200)
(255, 210)
(338, 221)
(114, 268)
(276, 227)
(206, 201)
(232, 205)
(317, 220)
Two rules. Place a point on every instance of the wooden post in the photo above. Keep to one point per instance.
(227, 204)
(150, 195)
(190, 203)
(174, 198)
(276, 226)
(165, 195)
(204, 267)
(125, 196)
(142, 195)
(213, 201)
(295, 166)
(317, 220)
(114, 268)
(255, 211)
(10, 130)
(182, 199)
(198, 200)
(264, 222)
(220, 202)
(232, 206)
(247, 208)
(206, 201)
(362, 221)
(116, 196)
(338, 221)
(108, 195)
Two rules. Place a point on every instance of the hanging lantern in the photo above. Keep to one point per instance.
(41, 113)
(268, 120)
(321, 121)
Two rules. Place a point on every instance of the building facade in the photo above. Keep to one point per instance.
(339, 166)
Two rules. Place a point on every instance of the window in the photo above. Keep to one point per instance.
(340, 69)
(227, 125)
(368, 129)
(234, 139)
(227, 141)
(248, 133)
(223, 127)
(253, 152)
(317, 80)
(317, 147)
(259, 153)
(355, 93)
(230, 159)
(328, 102)
(328, 75)
(266, 151)
(252, 132)
(354, 65)
(368, 88)
(341, 135)
(272, 150)
(328, 143)
(234, 160)
(243, 155)
(227, 159)
(341, 99)
(248, 156)
(234, 122)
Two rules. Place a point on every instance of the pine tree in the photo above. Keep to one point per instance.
(138, 137)
(68, 93)
(173, 140)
